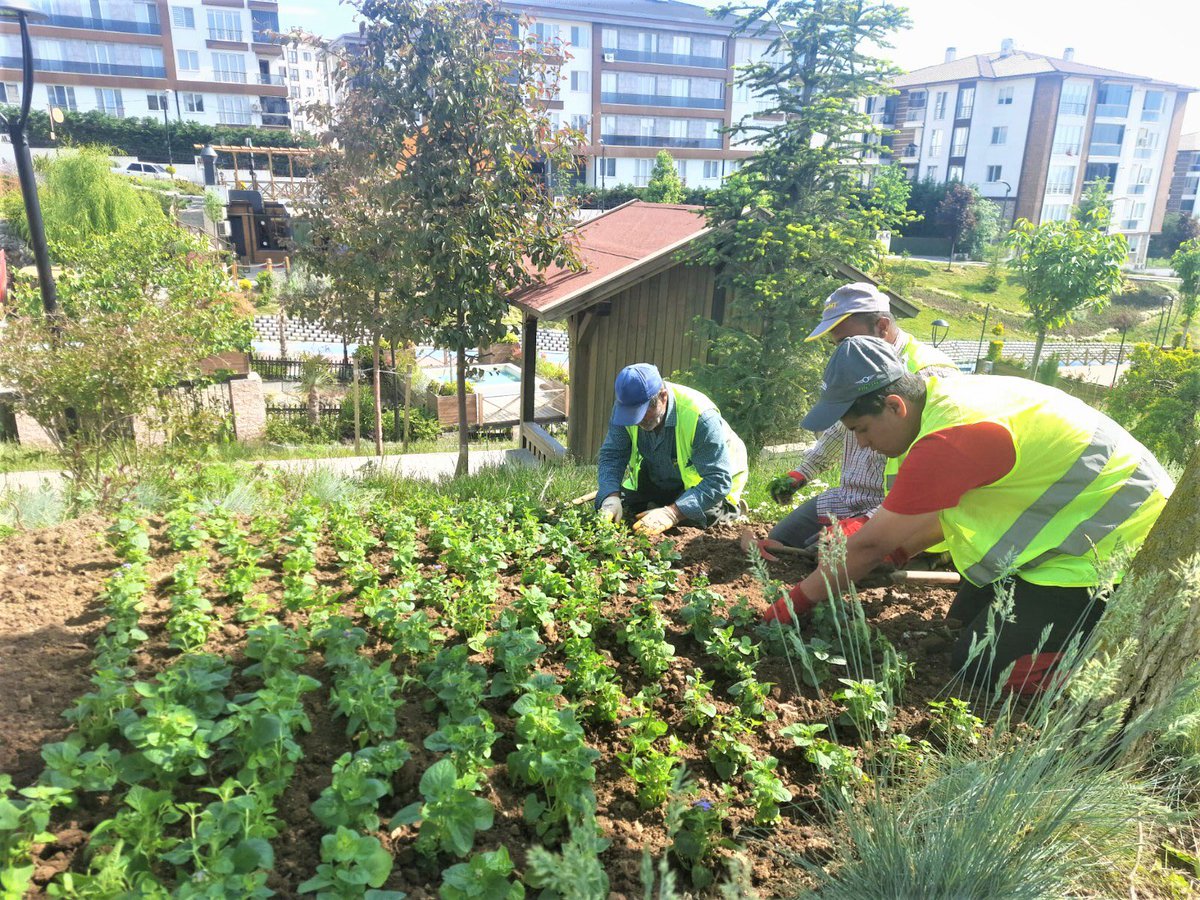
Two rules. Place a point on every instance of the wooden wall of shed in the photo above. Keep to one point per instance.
(649, 322)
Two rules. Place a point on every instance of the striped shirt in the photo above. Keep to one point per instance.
(861, 490)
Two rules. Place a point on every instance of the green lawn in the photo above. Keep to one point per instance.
(959, 297)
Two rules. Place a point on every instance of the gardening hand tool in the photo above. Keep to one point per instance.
(657, 520)
(611, 509)
(783, 488)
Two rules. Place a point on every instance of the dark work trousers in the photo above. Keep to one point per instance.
(1068, 611)
(800, 527)
(650, 496)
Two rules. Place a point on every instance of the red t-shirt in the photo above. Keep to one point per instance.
(944, 465)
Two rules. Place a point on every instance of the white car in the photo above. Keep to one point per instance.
(151, 170)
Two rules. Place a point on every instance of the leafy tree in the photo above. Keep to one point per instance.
(440, 205)
(986, 229)
(925, 197)
(1158, 400)
(784, 222)
(665, 185)
(956, 215)
(1066, 268)
(1095, 206)
(1186, 263)
(1177, 228)
(890, 193)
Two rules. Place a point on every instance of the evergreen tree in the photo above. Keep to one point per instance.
(665, 185)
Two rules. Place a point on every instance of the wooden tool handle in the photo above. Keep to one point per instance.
(918, 577)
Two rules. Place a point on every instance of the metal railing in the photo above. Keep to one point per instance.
(121, 25)
(291, 369)
(226, 34)
(85, 68)
(662, 100)
(228, 76)
(269, 78)
(666, 59)
(655, 140)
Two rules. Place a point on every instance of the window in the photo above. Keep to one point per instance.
(157, 102)
(60, 96)
(230, 68)
(1147, 143)
(931, 172)
(1152, 106)
(183, 17)
(1139, 181)
(641, 171)
(308, 74)
(309, 92)
(681, 167)
(1056, 212)
(193, 103)
(292, 58)
(233, 109)
(1106, 140)
(958, 142)
(966, 103)
(295, 76)
(294, 90)
(109, 102)
(1097, 171)
(939, 105)
(954, 173)
(102, 57)
(307, 56)
(283, 72)
(1000, 134)
(993, 173)
(581, 122)
(1061, 180)
(1004, 97)
(1074, 100)
(581, 36)
(580, 81)
(151, 58)
(608, 166)
(545, 34)
(712, 169)
(916, 105)
(935, 142)
(1112, 100)
(1067, 140)
(10, 93)
(224, 25)
(187, 60)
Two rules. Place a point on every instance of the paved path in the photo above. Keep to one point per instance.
(431, 466)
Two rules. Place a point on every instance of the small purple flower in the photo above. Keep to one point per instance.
(704, 805)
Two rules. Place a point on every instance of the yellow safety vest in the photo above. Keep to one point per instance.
(689, 406)
(917, 356)
(1081, 488)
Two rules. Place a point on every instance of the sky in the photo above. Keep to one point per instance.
(1160, 39)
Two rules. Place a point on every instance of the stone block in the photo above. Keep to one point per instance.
(248, 406)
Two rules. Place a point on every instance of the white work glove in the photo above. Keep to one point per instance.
(611, 509)
(656, 521)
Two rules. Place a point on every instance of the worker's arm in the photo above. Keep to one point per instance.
(710, 458)
(821, 455)
(866, 548)
(612, 462)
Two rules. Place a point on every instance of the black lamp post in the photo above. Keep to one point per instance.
(24, 11)
(933, 330)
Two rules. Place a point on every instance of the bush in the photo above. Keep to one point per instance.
(1047, 372)
(995, 349)
(552, 371)
(291, 429)
(422, 426)
(1158, 401)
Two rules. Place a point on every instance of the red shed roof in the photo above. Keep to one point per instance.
(627, 241)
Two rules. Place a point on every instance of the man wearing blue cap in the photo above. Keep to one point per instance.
(668, 456)
(1033, 492)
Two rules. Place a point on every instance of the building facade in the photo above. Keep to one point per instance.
(305, 71)
(1033, 132)
(1184, 191)
(200, 60)
(640, 76)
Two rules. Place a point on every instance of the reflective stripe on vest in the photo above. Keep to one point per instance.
(689, 406)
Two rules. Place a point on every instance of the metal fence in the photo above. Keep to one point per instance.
(299, 411)
(290, 369)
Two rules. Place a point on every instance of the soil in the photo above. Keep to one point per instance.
(50, 617)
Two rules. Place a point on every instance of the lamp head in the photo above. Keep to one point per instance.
(13, 9)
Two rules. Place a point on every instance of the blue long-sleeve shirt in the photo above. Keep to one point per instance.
(710, 457)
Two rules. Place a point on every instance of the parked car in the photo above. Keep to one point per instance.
(145, 169)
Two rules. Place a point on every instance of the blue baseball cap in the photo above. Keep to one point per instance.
(861, 365)
(636, 386)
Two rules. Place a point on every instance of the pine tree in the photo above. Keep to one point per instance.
(665, 185)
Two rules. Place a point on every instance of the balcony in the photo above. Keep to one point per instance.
(276, 120)
(1073, 108)
(1137, 190)
(655, 140)
(665, 59)
(1112, 110)
(229, 77)
(1062, 188)
(85, 68)
(662, 100)
(1099, 149)
(121, 25)
(232, 35)
(267, 78)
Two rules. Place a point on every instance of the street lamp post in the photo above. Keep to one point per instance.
(1007, 191)
(933, 331)
(166, 102)
(23, 11)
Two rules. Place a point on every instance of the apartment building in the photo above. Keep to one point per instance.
(304, 69)
(1034, 131)
(640, 76)
(1185, 182)
(200, 60)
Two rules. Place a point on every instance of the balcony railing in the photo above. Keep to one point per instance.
(1069, 149)
(1112, 110)
(1073, 108)
(1066, 187)
(121, 25)
(1098, 149)
(277, 119)
(655, 140)
(267, 78)
(85, 68)
(666, 59)
(662, 100)
(226, 34)
(1137, 189)
(229, 77)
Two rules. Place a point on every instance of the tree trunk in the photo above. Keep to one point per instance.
(395, 381)
(1167, 631)
(375, 389)
(408, 370)
(282, 332)
(314, 406)
(1037, 353)
(461, 358)
(950, 258)
(357, 410)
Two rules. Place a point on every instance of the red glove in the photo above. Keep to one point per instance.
(848, 526)
(799, 477)
(800, 602)
(784, 488)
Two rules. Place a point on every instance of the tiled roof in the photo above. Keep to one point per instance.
(1016, 64)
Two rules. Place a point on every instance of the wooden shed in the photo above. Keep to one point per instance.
(634, 301)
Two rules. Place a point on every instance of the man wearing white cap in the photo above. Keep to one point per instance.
(854, 309)
(668, 456)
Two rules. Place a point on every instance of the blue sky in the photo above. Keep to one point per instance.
(1154, 39)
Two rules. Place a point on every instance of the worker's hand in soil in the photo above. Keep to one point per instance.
(779, 610)
(783, 488)
(746, 539)
(611, 509)
(656, 521)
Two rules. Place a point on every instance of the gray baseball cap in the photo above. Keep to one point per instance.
(859, 366)
(846, 301)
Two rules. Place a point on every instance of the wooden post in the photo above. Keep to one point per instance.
(357, 411)
(529, 368)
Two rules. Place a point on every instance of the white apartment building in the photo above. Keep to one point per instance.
(640, 76)
(304, 70)
(204, 61)
(1033, 132)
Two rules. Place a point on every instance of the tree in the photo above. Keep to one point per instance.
(1186, 263)
(665, 185)
(794, 212)
(1177, 228)
(439, 205)
(986, 229)
(1158, 400)
(923, 202)
(314, 376)
(1065, 268)
(1095, 206)
(956, 215)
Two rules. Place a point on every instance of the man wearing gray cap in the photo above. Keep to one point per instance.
(853, 309)
(1031, 490)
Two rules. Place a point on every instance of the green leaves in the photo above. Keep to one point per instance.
(450, 813)
(349, 863)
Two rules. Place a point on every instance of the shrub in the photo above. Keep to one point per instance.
(1047, 371)
(995, 349)
(1158, 400)
(286, 429)
(422, 426)
(552, 371)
